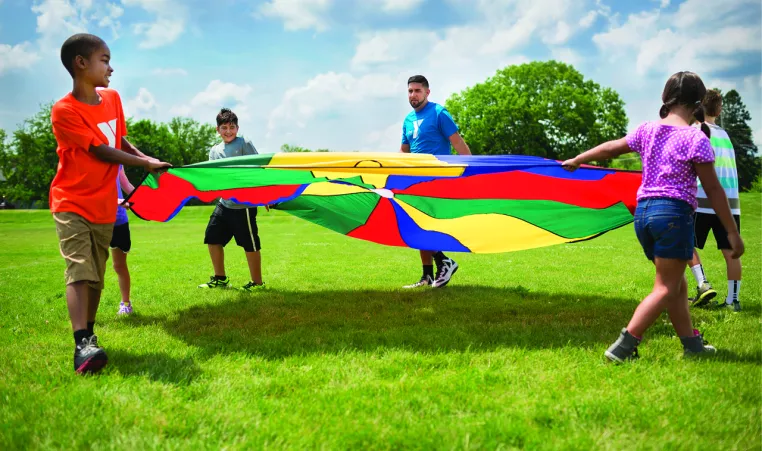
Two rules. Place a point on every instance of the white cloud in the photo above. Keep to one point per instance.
(588, 20)
(701, 13)
(170, 17)
(59, 19)
(218, 94)
(384, 47)
(18, 56)
(108, 18)
(620, 40)
(360, 102)
(169, 72)
(348, 110)
(396, 6)
(664, 4)
(331, 92)
(387, 139)
(299, 14)
(713, 39)
(144, 103)
(566, 55)
(663, 44)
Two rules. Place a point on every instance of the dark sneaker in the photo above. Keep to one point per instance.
(251, 286)
(445, 272)
(216, 283)
(734, 307)
(624, 348)
(696, 346)
(704, 294)
(424, 282)
(88, 357)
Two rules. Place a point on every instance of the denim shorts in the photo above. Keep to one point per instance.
(664, 227)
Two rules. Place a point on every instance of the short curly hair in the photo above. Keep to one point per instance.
(81, 44)
(227, 117)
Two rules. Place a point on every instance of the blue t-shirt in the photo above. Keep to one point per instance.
(429, 130)
(121, 212)
(235, 148)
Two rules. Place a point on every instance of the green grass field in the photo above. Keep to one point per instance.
(335, 355)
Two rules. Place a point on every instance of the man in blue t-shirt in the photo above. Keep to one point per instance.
(429, 128)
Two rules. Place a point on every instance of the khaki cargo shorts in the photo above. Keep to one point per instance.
(84, 246)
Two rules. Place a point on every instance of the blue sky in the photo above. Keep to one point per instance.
(332, 73)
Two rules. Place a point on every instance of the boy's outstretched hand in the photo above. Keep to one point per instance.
(570, 165)
(154, 165)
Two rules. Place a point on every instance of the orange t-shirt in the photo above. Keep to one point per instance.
(84, 184)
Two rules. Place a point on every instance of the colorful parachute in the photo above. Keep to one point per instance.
(477, 204)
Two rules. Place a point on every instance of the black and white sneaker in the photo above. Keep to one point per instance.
(88, 357)
(424, 282)
(445, 271)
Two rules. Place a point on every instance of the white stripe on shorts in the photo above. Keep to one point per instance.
(251, 233)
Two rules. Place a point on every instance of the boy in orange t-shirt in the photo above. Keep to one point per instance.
(90, 129)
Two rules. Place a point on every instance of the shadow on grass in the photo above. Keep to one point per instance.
(158, 367)
(275, 324)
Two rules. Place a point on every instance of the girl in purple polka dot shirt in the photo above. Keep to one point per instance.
(673, 154)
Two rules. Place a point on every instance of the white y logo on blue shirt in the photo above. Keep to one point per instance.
(416, 127)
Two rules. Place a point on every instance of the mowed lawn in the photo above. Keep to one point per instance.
(335, 355)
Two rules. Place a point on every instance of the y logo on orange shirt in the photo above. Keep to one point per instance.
(107, 128)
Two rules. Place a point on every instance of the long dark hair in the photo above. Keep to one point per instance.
(685, 88)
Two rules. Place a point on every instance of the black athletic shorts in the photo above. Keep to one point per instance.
(241, 224)
(120, 238)
(705, 222)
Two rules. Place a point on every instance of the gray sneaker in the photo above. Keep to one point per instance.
(696, 346)
(624, 348)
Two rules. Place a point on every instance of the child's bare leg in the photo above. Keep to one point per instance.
(669, 278)
(427, 258)
(77, 294)
(677, 309)
(254, 260)
(123, 274)
(94, 299)
(733, 265)
(217, 253)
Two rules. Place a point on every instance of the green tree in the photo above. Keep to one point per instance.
(181, 142)
(288, 148)
(29, 162)
(545, 108)
(734, 119)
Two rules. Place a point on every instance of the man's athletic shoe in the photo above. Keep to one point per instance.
(445, 272)
(124, 309)
(251, 286)
(424, 282)
(88, 357)
(704, 294)
(216, 283)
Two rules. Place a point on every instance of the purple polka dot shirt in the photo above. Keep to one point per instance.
(668, 153)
